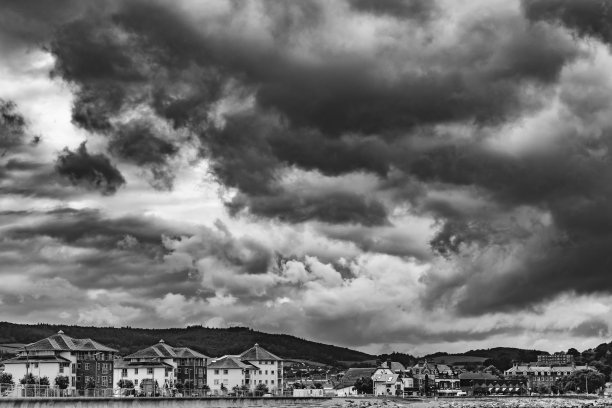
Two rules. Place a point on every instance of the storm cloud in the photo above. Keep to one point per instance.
(454, 157)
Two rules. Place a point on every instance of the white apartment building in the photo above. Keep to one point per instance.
(269, 368)
(60, 355)
(164, 365)
(227, 372)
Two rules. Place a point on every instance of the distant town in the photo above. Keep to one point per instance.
(64, 366)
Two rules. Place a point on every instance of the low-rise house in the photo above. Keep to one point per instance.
(346, 386)
(386, 382)
(84, 361)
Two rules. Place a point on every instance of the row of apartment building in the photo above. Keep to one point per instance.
(88, 363)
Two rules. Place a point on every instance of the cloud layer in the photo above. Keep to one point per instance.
(346, 171)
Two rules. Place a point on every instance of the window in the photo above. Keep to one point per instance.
(266, 381)
(73, 369)
(86, 366)
(217, 372)
(271, 381)
(136, 382)
(124, 372)
(35, 365)
(72, 381)
(149, 370)
(135, 371)
(104, 368)
(225, 381)
(272, 372)
(266, 372)
(104, 381)
(61, 369)
(225, 371)
(259, 372)
(79, 366)
(179, 369)
(216, 382)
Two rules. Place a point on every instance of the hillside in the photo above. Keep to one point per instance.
(212, 342)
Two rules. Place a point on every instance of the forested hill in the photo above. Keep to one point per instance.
(212, 342)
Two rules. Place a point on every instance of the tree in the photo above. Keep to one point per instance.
(29, 379)
(261, 388)
(125, 384)
(90, 383)
(580, 380)
(318, 385)
(44, 381)
(62, 382)
(206, 388)
(364, 385)
(6, 378)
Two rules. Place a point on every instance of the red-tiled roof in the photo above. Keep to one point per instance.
(256, 353)
(353, 374)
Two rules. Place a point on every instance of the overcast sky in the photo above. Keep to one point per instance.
(409, 175)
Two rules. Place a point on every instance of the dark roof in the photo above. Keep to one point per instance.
(230, 362)
(139, 364)
(450, 360)
(61, 342)
(353, 374)
(163, 350)
(258, 353)
(36, 359)
(477, 376)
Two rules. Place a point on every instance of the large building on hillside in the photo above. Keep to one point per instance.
(556, 359)
(164, 365)
(84, 361)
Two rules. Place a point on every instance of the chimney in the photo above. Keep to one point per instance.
(389, 364)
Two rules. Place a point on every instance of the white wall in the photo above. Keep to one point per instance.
(233, 377)
(267, 374)
(49, 370)
(346, 391)
(159, 375)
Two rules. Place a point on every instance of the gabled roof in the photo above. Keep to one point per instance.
(353, 374)
(120, 363)
(477, 376)
(385, 378)
(36, 359)
(256, 353)
(230, 362)
(61, 342)
(163, 350)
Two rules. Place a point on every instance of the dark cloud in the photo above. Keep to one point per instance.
(12, 127)
(330, 207)
(411, 9)
(592, 18)
(93, 171)
(591, 328)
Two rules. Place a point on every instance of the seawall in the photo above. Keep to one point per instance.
(209, 402)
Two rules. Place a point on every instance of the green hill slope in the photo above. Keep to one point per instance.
(212, 342)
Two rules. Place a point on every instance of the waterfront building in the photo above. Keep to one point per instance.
(346, 386)
(386, 382)
(87, 363)
(164, 365)
(227, 372)
(269, 368)
(542, 376)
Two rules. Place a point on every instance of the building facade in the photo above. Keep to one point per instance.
(166, 366)
(542, 376)
(556, 359)
(87, 363)
(269, 368)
